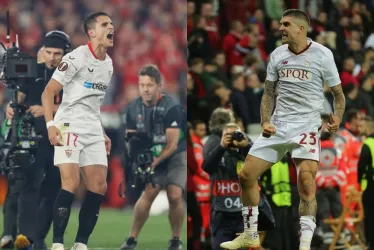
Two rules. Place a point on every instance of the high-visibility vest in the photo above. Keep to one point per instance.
(280, 184)
(370, 143)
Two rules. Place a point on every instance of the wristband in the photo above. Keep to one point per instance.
(50, 123)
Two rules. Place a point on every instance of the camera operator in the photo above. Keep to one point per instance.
(42, 174)
(224, 155)
(163, 120)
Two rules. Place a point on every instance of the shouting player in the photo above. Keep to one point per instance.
(76, 131)
(299, 67)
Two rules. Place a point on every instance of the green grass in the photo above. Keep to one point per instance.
(113, 227)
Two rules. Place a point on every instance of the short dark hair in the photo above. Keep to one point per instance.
(195, 123)
(151, 71)
(217, 85)
(196, 61)
(90, 21)
(352, 114)
(298, 14)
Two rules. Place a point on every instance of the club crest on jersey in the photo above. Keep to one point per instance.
(307, 63)
(295, 75)
(68, 152)
(63, 66)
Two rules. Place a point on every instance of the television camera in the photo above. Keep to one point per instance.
(19, 142)
(141, 154)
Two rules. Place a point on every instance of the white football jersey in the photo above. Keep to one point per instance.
(85, 79)
(300, 78)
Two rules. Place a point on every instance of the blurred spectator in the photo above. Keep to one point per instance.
(232, 38)
(347, 75)
(220, 62)
(198, 131)
(211, 27)
(239, 101)
(274, 37)
(198, 40)
(191, 8)
(221, 94)
(196, 71)
(274, 9)
(358, 99)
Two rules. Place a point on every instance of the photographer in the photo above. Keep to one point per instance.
(162, 119)
(224, 155)
(41, 173)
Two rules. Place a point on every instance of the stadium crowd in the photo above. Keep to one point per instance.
(229, 44)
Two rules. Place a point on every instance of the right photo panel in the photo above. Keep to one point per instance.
(280, 119)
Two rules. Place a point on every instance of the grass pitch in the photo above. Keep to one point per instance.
(113, 226)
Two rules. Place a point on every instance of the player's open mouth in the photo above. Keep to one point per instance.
(110, 36)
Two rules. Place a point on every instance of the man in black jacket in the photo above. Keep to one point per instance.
(224, 155)
(42, 176)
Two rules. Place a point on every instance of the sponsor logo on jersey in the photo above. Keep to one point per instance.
(226, 188)
(295, 74)
(91, 85)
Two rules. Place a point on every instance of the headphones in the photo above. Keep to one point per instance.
(61, 35)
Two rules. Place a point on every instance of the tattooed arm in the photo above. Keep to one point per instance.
(339, 101)
(268, 101)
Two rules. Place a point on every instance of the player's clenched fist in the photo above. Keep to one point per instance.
(334, 124)
(55, 136)
(268, 129)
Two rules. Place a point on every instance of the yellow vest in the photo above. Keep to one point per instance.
(280, 184)
(370, 143)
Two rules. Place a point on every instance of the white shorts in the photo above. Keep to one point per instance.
(302, 139)
(83, 148)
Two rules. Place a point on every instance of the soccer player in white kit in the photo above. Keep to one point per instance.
(296, 73)
(76, 131)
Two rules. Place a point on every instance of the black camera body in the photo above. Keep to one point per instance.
(141, 154)
(17, 152)
(18, 65)
(20, 141)
(237, 136)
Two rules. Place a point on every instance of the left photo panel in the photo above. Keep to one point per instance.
(93, 114)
